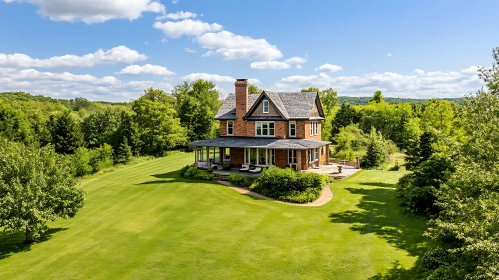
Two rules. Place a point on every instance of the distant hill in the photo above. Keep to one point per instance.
(394, 100)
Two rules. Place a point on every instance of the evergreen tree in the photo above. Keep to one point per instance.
(345, 116)
(123, 153)
(66, 133)
(377, 150)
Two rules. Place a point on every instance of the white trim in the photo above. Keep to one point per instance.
(314, 128)
(293, 156)
(265, 102)
(290, 123)
(231, 122)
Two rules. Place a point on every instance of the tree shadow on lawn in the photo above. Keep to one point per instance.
(13, 242)
(174, 177)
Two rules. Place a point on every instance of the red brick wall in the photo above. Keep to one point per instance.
(281, 158)
(305, 131)
(241, 107)
(223, 128)
(236, 156)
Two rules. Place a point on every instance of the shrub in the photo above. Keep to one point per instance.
(101, 157)
(81, 162)
(184, 169)
(377, 151)
(288, 185)
(195, 173)
(241, 180)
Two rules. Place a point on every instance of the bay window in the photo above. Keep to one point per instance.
(265, 129)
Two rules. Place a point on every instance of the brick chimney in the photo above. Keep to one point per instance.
(241, 106)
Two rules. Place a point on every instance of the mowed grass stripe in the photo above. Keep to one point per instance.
(145, 222)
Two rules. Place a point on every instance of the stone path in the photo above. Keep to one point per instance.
(325, 197)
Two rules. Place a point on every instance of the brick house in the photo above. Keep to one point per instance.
(269, 129)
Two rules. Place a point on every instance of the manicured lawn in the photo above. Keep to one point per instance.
(145, 222)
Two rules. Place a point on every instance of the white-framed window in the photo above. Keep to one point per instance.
(292, 156)
(271, 156)
(230, 127)
(314, 128)
(313, 155)
(259, 156)
(265, 129)
(265, 106)
(292, 129)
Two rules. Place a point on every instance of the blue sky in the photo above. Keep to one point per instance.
(113, 50)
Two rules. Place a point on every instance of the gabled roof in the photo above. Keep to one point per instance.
(290, 105)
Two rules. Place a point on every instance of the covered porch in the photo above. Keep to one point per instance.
(231, 153)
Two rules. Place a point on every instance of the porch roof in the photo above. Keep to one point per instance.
(254, 142)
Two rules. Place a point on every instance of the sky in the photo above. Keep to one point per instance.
(112, 50)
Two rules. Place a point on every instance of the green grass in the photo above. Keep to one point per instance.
(144, 221)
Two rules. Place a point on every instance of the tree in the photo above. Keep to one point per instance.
(160, 128)
(329, 100)
(349, 139)
(13, 124)
(438, 114)
(123, 153)
(197, 104)
(377, 97)
(98, 127)
(467, 229)
(66, 133)
(345, 116)
(36, 186)
(128, 130)
(421, 150)
(254, 89)
(377, 150)
(81, 161)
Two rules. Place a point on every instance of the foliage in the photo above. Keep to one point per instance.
(417, 191)
(196, 173)
(420, 150)
(13, 124)
(438, 114)
(466, 229)
(364, 100)
(36, 186)
(349, 139)
(99, 127)
(345, 116)
(197, 104)
(288, 185)
(160, 128)
(101, 158)
(66, 133)
(377, 97)
(184, 169)
(241, 180)
(124, 153)
(81, 161)
(377, 150)
(252, 89)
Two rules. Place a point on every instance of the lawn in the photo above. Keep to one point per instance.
(144, 221)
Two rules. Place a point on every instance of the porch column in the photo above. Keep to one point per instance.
(327, 154)
(208, 157)
(298, 160)
(196, 155)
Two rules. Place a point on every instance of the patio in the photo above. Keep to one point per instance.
(331, 170)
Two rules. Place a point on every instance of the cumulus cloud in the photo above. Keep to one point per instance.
(177, 16)
(471, 70)
(295, 60)
(90, 11)
(115, 55)
(209, 77)
(186, 27)
(328, 68)
(228, 46)
(69, 85)
(147, 69)
(190, 50)
(420, 84)
(298, 66)
(273, 65)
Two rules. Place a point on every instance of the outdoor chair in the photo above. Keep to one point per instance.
(256, 170)
(245, 168)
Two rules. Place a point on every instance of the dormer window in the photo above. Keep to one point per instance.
(265, 106)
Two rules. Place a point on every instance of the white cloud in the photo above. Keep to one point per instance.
(174, 1)
(177, 16)
(231, 46)
(190, 50)
(91, 11)
(388, 54)
(115, 55)
(298, 66)
(328, 68)
(471, 70)
(295, 60)
(272, 65)
(421, 84)
(187, 27)
(147, 69)
(209, 77)
(253, 81)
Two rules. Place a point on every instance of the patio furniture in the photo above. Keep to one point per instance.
(245, 168)
(256, 170)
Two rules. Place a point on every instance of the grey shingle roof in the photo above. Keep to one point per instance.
(254, 142)
(292, 105)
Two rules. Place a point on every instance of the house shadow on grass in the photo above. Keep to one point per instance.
(174, 177)
(13, 242)
(379, 213)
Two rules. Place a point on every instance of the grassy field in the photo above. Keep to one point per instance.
(144, 221)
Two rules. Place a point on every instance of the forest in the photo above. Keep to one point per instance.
(451, 149)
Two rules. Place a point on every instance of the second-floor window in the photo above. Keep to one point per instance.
(265, 106)
(265, 129)
(314, 130)
(230, 127)
(292, 129)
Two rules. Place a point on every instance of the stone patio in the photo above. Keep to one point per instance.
(331, 170)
